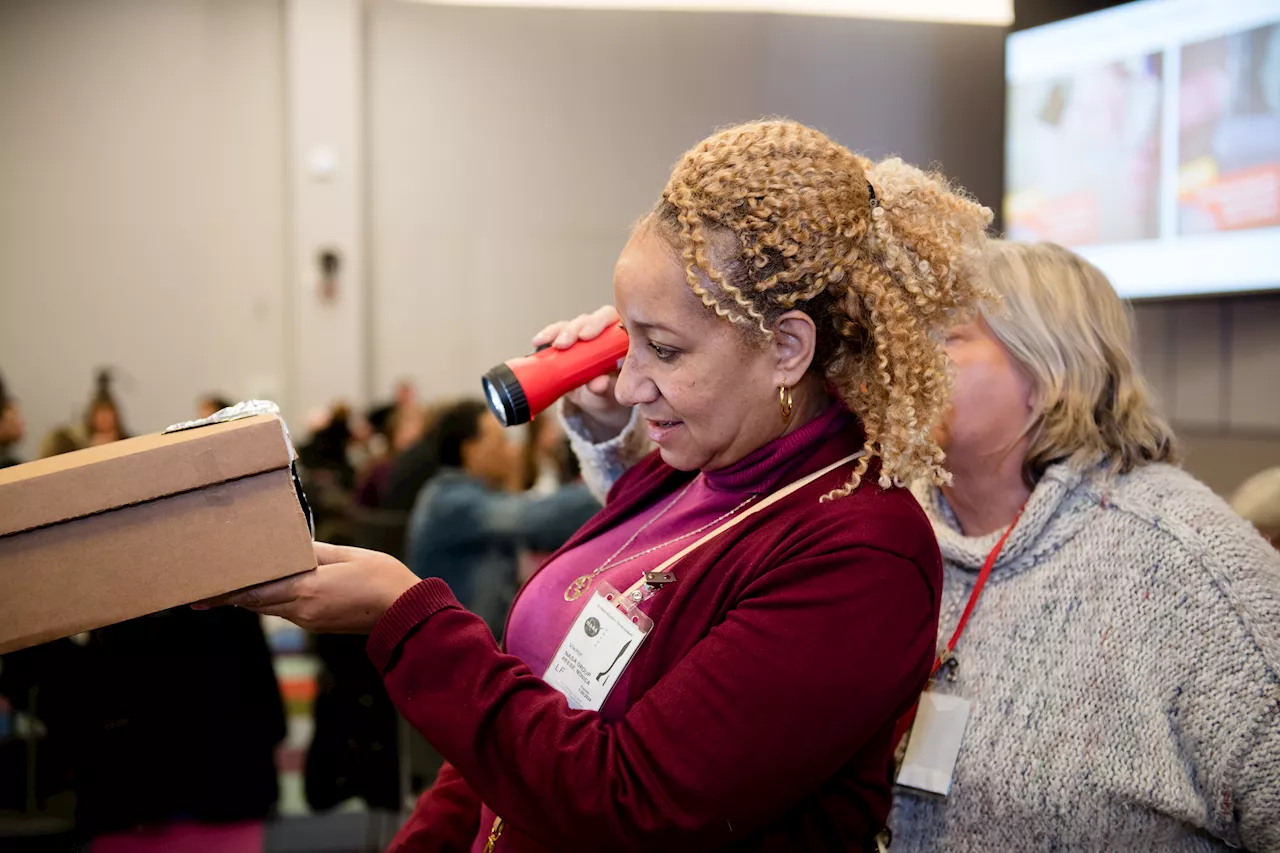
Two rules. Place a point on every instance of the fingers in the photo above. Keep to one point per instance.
(577, 329)
(601, 385)
(596, 322)
(264, 595)
(284, 611)
(549, 334)
(584, 327)
(326, 553)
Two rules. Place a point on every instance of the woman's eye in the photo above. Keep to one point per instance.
(663, 353)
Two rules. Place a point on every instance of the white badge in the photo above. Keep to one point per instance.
(936, 734)
(598, 647)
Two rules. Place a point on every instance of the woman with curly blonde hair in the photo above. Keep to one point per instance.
(1123, 656)
(786, 302)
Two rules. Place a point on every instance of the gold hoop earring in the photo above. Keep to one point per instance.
(786, 403)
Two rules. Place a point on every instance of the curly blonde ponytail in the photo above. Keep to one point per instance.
(772, 216)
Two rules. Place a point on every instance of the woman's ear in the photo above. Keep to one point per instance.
(795, 341)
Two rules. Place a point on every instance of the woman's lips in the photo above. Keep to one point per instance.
(660, 431)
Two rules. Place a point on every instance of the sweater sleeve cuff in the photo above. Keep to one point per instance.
(422, 601)
(604, 462)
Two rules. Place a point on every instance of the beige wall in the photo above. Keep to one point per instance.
(324, 48)
(510, 151)
(1224, 460)
(1215, 365)
(142, 220)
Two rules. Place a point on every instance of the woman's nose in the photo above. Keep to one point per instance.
(632, 387)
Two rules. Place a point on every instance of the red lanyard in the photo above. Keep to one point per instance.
(904, 724)
(973, 596)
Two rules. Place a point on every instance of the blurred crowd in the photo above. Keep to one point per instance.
(179, 716)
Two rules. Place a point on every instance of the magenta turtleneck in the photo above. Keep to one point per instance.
(541, 616)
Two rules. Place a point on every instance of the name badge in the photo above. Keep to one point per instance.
(936, 735)
(599, 645)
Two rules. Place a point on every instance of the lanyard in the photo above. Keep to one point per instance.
(644, 587)
(988, 564)
(948, 656)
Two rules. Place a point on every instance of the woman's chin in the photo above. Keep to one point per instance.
(680, 461)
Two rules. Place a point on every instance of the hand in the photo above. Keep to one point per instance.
(347, 592)
(604, 417)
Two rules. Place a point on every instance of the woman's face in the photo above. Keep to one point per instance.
(707, 396)
(105, 421)
(991, 401)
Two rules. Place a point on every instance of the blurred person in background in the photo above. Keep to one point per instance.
(102, 422)
(355, 751)
(371, 477)
(180, 719)
(547, 464)
(468, 529)
(395, 430)
(407, 426)
(12, 430)
(406, 396)
(210, 404)
(395, 425)
(1125, 655)
(58, 441)
(326, 471)
(381, 421)
(12, 427)
(1258, 502)
(45, 681)
(415, 464)
(324, 453)
(408, 417)
(546, 461)
(785, 302)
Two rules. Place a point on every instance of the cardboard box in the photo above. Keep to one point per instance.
(126, 529)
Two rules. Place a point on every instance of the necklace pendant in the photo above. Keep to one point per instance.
(577, 588)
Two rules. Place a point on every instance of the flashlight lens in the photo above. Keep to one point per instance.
(506, 397)
(495, 401)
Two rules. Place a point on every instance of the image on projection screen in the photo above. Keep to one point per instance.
(1229, 133)
(1084, 154)
(1146, 137)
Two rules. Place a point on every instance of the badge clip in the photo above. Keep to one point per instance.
(659, 579)
(948, 663)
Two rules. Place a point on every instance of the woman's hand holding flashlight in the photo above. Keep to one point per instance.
(602, 415)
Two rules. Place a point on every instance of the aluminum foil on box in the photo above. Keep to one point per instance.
(249, 409)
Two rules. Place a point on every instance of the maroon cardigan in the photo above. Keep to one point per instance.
(761, 707)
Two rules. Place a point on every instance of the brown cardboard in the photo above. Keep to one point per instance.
(106, 534)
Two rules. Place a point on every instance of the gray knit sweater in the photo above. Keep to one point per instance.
(1124, 663)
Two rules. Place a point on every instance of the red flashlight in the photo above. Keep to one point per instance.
(524, 387)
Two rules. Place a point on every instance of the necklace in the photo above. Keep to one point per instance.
(575, 590)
